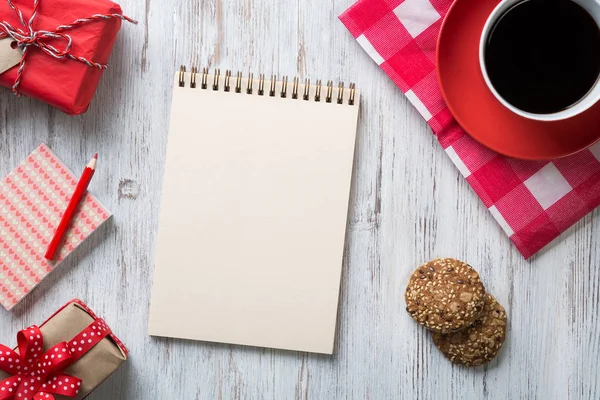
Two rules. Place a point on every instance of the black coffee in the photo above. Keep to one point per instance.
(543, 56)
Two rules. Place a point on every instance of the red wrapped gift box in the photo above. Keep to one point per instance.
(66, 84)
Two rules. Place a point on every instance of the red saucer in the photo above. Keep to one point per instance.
(481, 114)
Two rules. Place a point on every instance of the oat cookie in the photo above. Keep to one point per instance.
(445, 295)
(479, 343)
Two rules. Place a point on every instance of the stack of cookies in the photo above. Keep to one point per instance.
(447, 297)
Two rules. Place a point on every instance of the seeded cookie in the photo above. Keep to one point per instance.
(479, 343)
(445, 295)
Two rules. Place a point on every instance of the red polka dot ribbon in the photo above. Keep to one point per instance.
(87, 338)
(37, 375)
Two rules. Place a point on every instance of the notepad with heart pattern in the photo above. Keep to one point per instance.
(33, 198)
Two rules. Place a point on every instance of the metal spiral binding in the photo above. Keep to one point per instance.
(306, 89)
(216, 79)
(249, 89)
(182, 76)
(284, 83)
(295, 88)
(250, 83)
(318, 93)
(193, 79)
(238, 83)
(340, 99)
(203, 84)
(273, 85)
(227, 86)
(329, 91)
(352, 94)
(261, 84)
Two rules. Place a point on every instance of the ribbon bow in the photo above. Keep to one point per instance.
(36, 376)
(27, 37)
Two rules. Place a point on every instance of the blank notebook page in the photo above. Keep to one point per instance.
(253, 217)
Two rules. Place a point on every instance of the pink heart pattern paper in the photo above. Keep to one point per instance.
(33, 198)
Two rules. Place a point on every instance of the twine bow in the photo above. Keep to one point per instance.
(26, 37)
(36, 375)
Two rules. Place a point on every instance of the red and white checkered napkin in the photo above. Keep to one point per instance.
(533, 201)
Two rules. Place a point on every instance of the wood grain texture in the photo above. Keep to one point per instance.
(408, 205)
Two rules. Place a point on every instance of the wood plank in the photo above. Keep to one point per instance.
(408, 205)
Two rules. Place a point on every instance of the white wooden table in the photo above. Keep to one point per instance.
(408, 205)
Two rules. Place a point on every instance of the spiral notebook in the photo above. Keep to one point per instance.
(254, 207)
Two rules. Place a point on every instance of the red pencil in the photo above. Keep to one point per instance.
(80, 190)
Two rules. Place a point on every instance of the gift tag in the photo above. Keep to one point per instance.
(9, 57)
